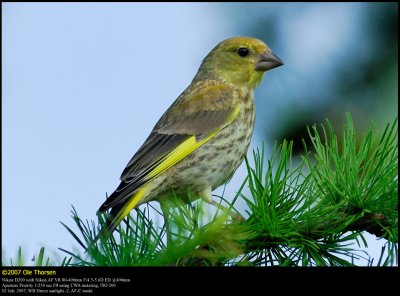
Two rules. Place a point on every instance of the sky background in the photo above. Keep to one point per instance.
(84, 83)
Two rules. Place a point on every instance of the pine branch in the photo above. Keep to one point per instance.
(371, 222)
(374, 223)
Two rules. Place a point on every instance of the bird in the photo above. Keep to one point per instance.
(202, 138)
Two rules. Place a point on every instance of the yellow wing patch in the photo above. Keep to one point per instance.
(187, 147)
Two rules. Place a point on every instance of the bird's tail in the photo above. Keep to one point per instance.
(119, 212)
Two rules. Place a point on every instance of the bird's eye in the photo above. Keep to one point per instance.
(243, 51)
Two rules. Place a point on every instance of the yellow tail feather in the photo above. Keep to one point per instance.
(131, 204)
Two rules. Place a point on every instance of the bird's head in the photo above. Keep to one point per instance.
(240, 61)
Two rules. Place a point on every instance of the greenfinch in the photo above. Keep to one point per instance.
(203, 137)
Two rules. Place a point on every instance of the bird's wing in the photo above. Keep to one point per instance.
(180, 131)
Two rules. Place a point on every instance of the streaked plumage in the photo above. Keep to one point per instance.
(203, 137)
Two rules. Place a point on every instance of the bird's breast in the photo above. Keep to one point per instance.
(214, 163)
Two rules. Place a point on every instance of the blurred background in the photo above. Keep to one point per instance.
(84, 84)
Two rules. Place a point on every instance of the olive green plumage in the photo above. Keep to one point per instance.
(203, 137)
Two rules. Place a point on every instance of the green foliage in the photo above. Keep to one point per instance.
(311, 211)
(311, 219)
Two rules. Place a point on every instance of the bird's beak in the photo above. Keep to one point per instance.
(268, 61)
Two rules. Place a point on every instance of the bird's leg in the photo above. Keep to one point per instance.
(207, 197)
(235, 216)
